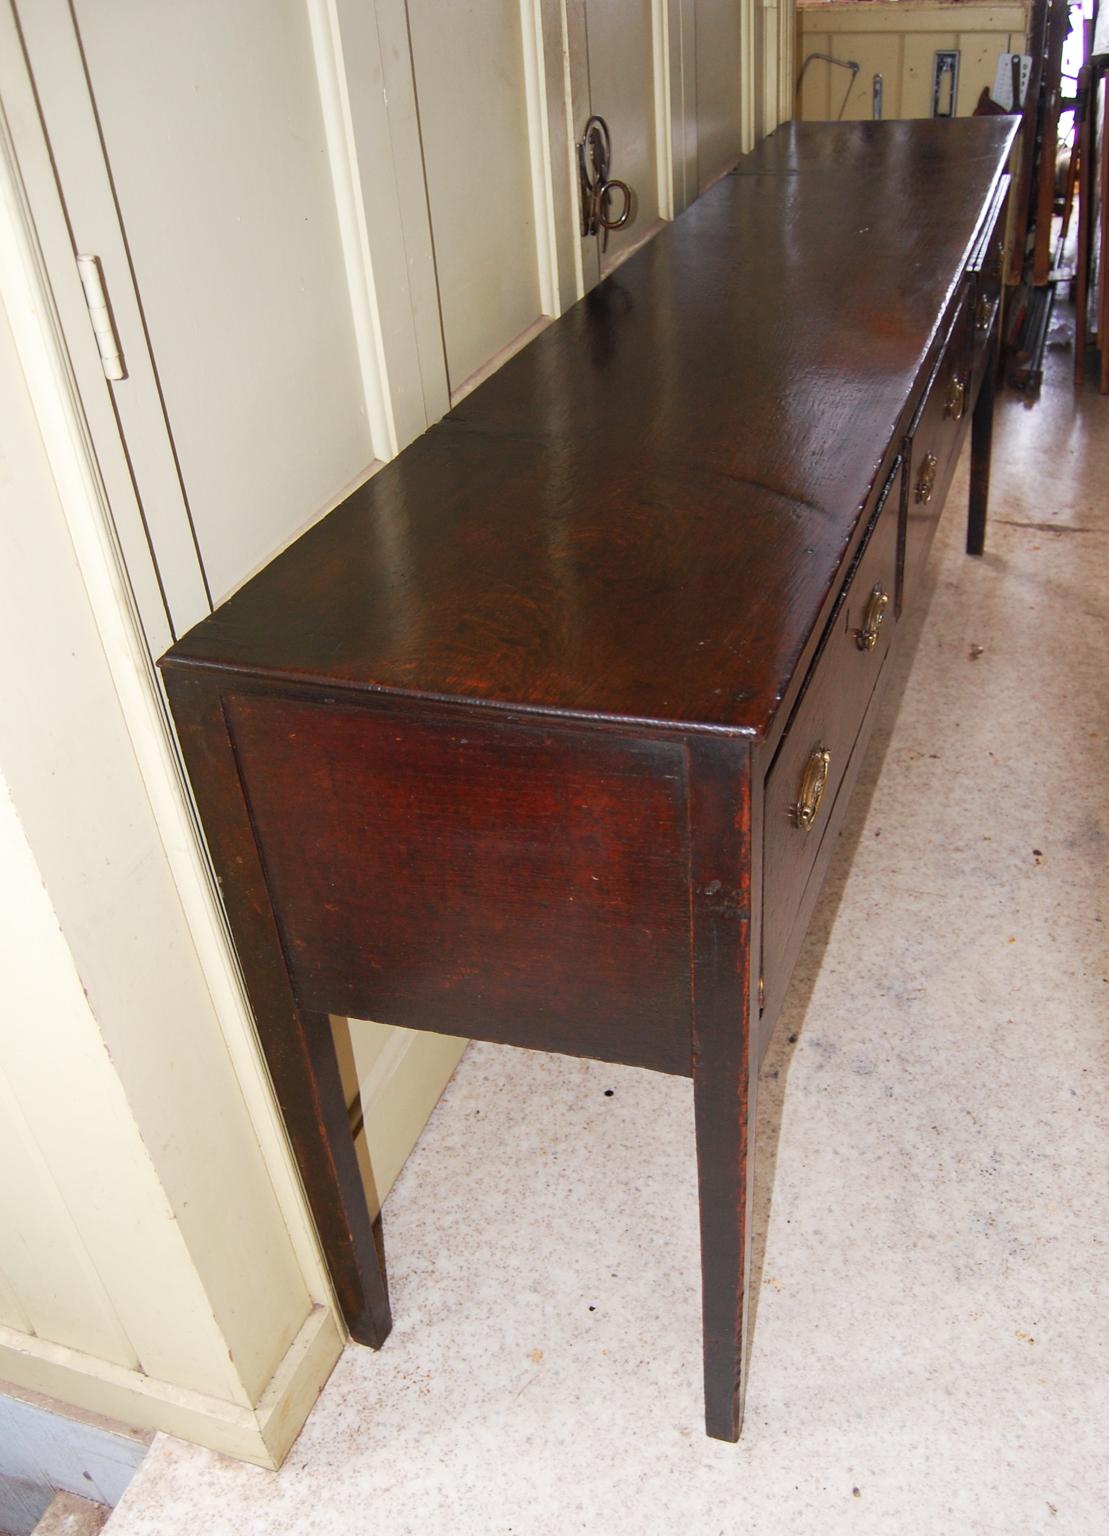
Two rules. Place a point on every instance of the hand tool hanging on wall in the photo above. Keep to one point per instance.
(828, 58)
(597, 187)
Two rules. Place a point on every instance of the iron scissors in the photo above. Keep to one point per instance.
(597, 187)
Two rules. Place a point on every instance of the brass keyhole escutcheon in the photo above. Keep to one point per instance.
(983, 313)
(956, 402)
(866, 638)
(814, 781)
(927, 482)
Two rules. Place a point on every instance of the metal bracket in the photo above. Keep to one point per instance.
(100, 313)
(945, 82)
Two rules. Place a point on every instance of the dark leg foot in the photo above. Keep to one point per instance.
(325, 1153)
(981, 440)
(725, 1062)
(725, 1172)
(299, 1047)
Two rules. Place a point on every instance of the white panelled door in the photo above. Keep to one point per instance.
(499, 155)
(476, 127)
(619, 60)
(190, 147)
(626, 60)
(675, 80)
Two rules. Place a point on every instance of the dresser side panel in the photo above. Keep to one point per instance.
(493, 880)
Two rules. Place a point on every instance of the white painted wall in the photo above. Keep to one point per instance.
(214, 135)
(147, 1266)
(719, 81)
(73, 1221)
(626, 63)
(899, 41)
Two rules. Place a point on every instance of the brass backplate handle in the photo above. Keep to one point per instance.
(927, 482)
(983, 313)
(814, 781)
(956, 402)
(866, 638)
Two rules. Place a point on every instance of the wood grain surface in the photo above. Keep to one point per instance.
(500, 882)
(644, 514)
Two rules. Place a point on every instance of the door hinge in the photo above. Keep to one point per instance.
(100, 313)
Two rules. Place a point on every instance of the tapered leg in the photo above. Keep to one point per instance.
(1103, 257)
(724, 1108)
(316, 1116)
(724, 1066)
(299, 1047)
(981, 446)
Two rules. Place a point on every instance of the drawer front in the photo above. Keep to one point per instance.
(934, 443)
(987, 270)
(811, 764)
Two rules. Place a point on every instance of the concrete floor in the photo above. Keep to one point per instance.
(930, 1347)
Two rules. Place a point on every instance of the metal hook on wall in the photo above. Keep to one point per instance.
(827, 58)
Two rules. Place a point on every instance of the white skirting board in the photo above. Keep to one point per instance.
(261, 1435)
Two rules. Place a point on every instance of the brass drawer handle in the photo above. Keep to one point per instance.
(814, 780)
(956, 402)
(983, 313)
(927, 482)
(866, 638)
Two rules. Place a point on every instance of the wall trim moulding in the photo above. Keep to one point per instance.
(261, 1435)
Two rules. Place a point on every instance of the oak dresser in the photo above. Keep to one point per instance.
(544, 735)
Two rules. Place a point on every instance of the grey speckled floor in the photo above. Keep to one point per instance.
(930, 1348)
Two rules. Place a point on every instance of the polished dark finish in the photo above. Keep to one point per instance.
(470, 842)
(673, 470)
(827, 716)
(936, 437)
(987, 267)
(724, 939)
(981, 444)
(514, 743)
(297, 1043)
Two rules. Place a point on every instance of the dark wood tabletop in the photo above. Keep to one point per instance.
(678, 466)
